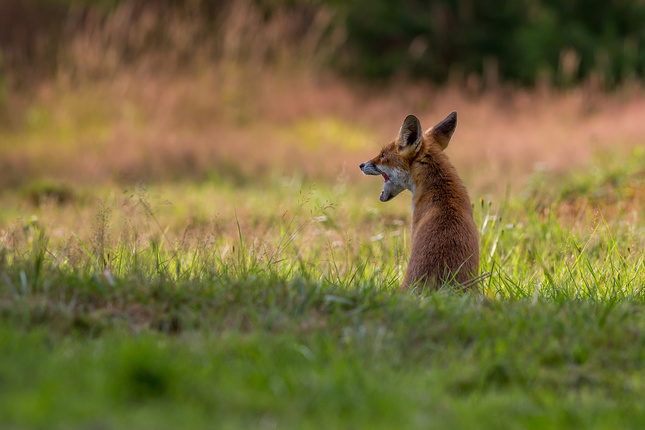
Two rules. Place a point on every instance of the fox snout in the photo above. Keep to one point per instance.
(390, 188)
(369, 168)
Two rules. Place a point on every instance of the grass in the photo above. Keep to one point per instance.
(250, 279)
(289, 317)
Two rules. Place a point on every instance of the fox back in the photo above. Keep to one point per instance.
(445, 240)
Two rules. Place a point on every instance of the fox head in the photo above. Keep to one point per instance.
(395, 160)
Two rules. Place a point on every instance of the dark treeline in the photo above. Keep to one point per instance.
(559, 42)
(523, 41)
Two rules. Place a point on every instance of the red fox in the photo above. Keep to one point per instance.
(445, 240)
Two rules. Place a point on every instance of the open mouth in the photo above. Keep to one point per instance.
(387, 178)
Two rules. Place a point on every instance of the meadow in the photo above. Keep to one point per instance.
(261, 298)
(198, 248)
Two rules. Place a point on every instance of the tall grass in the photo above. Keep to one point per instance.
(343, 247)
(292, 317)
(144, 95)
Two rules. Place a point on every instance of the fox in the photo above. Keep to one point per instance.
(445, 239)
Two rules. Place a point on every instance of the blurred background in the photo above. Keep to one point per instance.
(122, 91)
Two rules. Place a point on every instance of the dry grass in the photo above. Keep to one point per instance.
(244, 125)
(243, 105)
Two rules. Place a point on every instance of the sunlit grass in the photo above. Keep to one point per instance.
(186, 304)
(291, 228)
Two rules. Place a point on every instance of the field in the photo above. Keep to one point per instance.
(199, 249)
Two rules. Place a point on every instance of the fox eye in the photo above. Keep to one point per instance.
(382, 154)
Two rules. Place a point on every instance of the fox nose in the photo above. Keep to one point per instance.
(362, 165)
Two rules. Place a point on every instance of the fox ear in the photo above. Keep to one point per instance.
(443, 131)
(410, 134)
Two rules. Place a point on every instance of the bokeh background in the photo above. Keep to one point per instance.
(119, 92)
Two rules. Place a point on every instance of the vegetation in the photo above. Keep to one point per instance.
(527, 42)
(290, 317)
(186, 239)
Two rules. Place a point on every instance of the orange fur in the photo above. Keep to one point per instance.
(445, 240)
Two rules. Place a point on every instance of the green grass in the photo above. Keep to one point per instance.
(276, 307)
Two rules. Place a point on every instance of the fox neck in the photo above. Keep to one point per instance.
(436, 186)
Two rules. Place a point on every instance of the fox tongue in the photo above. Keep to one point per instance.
(385, 176)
